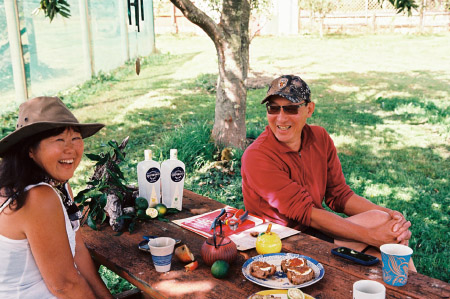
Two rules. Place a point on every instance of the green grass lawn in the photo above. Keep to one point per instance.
(383, 98)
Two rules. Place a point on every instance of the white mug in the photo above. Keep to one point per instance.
(368, 289)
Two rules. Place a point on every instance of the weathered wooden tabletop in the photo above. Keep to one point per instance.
(121, 255)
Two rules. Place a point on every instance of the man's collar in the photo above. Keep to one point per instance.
(308, 137)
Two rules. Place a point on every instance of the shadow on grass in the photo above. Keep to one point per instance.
(125, 84)
(150, 123)
(407, 178)
(411, 180)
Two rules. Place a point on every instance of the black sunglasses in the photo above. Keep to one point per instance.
(289, 109)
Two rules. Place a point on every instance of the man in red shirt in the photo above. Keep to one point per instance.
(292, 167)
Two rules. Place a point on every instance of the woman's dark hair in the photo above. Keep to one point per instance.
(18, 170)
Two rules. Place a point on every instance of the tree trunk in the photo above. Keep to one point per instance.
(231, 39)
(174, 20)
(233, 53)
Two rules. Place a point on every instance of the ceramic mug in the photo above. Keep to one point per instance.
(368, 289)
(162, 250)
(395, 259)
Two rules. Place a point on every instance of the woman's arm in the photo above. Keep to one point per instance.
(43, 223)
(87, 268)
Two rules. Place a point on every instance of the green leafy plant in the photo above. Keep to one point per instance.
(207, 82)
(7, 121)
(53, 7)
(107, 179)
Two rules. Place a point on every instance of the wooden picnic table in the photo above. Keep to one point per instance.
(121, 255)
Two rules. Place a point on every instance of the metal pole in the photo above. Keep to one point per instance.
(15, 49)
(87, 38)
(124, 29)
(174, 20)
(150, 21)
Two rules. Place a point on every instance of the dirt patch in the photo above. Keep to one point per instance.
(257, 80)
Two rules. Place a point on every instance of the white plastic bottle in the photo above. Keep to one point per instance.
(172, 181)
(149, 179)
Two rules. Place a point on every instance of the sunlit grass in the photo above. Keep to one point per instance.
(376, 190)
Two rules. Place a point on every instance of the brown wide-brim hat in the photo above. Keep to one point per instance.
(290, 87)
(41, 114)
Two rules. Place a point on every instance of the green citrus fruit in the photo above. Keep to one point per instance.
(152, 212)
(220, 269)
(295, 294)
(141, 203)
(161, 208)
(141, 213)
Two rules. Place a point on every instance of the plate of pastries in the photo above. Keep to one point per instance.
(283, 270)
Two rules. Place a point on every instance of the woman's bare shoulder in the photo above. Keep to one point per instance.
(41, 205)
(42, 200)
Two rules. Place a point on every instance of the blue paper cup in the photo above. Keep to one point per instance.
(395, 258)
(162, 250)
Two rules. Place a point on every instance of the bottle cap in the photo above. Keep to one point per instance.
(148, 154)
(174, 154)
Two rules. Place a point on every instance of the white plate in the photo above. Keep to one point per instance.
(279, 280)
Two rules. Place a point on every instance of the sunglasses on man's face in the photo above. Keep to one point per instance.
(289, 109)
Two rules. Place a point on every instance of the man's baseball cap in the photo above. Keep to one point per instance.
(290, 87)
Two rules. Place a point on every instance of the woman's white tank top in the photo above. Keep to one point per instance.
(19, 274)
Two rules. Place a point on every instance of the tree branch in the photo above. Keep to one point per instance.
(199, 18)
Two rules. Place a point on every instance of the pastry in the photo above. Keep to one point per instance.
(297, 270)
(262, 269)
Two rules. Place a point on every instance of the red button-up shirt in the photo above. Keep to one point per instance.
(282, 185)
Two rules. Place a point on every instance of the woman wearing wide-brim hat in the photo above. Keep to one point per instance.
(42, 252)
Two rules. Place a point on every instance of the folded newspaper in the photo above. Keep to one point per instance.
(201, 224)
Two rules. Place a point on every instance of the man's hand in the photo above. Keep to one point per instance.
(382, 234)
(401, 227)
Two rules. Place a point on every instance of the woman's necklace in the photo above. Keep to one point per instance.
(73, 211)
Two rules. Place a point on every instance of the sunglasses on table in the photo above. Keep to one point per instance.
(289, 109)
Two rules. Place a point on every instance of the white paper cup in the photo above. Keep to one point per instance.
(395, 258)
(162, 250)
(368, 289)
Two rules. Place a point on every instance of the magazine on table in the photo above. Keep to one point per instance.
(201, 224)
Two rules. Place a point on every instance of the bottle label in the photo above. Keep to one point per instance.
(177, 174)
(153, 175)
